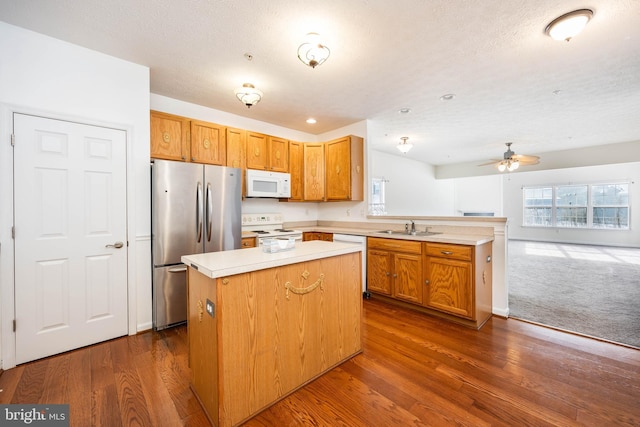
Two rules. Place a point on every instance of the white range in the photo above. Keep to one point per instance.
(267, 226)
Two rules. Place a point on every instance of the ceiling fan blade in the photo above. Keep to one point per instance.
(526, 160)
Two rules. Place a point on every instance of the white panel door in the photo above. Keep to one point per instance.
(70, 217)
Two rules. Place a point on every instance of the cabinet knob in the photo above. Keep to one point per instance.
(395, 275)
(426, 282)
(388, 274)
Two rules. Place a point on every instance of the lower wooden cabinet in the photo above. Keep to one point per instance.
(395, 268)
(317, 235)
(448, 280)
(248, 242)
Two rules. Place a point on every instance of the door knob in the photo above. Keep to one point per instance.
(116, 245)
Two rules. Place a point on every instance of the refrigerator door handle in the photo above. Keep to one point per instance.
(199, 212)
(178, 269)
(209, 211)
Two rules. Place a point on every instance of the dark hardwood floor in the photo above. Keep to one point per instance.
(414, 370)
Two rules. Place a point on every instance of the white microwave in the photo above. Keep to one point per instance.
(268, 184)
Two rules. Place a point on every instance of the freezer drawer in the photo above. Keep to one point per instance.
(169, 296)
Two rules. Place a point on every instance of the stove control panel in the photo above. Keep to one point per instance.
(261, 219)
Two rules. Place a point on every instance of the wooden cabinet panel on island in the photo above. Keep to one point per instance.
(169, 136)
(314, 172)
(395, 268)
(344, 169)
(208, 143)
(256, 337)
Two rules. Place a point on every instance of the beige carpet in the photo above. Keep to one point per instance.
(591, 290)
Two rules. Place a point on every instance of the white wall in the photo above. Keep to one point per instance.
(411, 188)
(478, 194)
(45, 76)
(513, 184)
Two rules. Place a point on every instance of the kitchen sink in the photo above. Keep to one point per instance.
(405, 233)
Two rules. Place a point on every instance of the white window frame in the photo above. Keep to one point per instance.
(590, 206)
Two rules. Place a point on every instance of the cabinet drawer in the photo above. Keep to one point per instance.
(406, 246)
(449, 251)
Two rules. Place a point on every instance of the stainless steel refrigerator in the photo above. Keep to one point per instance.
(195, 208)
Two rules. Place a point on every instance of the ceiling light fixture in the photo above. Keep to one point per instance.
(311, 121)
(312, 52)
(404, 146)
(569, 25)
(248, 94)
(509, 165)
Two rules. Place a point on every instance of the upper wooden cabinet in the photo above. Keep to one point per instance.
(169, 136)
(208, 143)
(236, 145)
(267, 152)
(344, 169)
(278, 154)
(314, 176)
(179, 138)
(296, 169)
(257, 152)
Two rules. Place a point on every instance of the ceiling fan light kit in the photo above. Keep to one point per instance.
(312, 52)
(511, 161)
(569, 25)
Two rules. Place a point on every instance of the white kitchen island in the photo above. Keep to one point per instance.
(262, 325)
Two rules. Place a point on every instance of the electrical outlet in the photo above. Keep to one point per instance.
(348, 212)
(211, 308)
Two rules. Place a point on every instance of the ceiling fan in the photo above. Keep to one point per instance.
(512, 161)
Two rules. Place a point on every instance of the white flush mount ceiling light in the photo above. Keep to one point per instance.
(312, 52)
(567, 26)
(311, 121)
(404, 146)
(248, 94)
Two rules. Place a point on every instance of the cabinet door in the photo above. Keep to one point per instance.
(236, 142)
(208, 143)
(379, 272)
(407, 277)
(257, 152)
(169, 136)
(278, 154)
(314, 172)
(338, 169)
(296, 168)
(327, 237)
(248, 242)
(449, 286)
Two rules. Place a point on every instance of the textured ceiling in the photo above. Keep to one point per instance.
(511, 81)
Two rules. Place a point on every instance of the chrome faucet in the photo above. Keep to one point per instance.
(413, 227)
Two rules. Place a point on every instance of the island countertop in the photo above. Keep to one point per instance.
(238, 261)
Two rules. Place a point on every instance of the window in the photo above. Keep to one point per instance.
(610, 205)
(599, 206)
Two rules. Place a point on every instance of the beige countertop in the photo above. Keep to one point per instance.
(446, 236)
(227, 263)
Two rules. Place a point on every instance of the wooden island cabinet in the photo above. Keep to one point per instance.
(263, 325)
